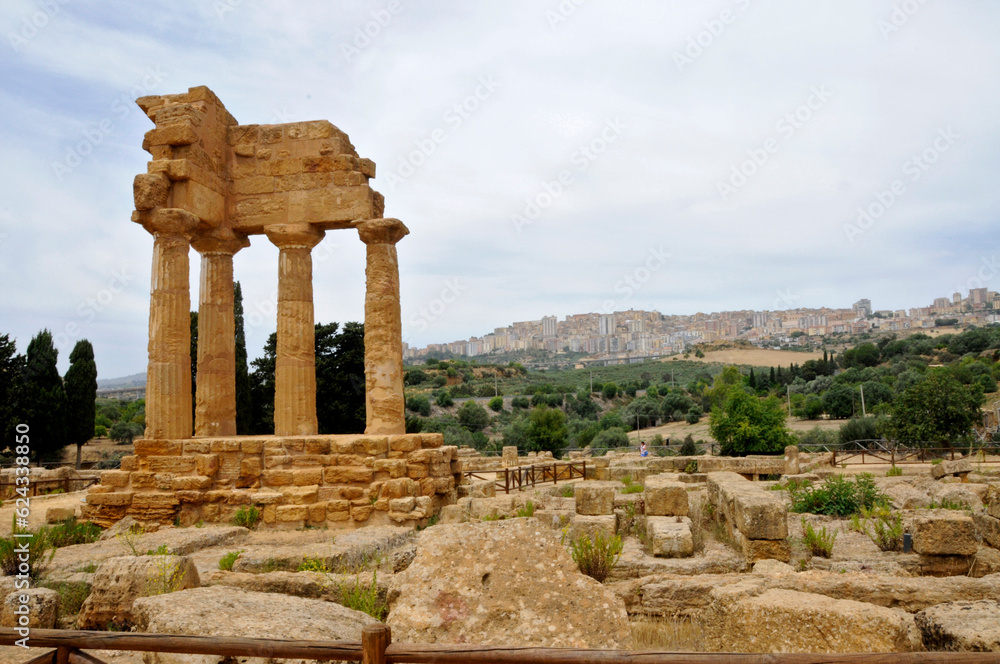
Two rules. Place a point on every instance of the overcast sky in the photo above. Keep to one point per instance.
(549, 158)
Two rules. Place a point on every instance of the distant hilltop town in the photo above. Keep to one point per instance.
(627, 336)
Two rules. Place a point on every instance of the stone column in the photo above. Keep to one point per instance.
(295, 362)
(168, 377)
(215, 400)
(384, 406)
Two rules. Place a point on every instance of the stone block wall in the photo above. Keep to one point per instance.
(756, 518)
(347, 480)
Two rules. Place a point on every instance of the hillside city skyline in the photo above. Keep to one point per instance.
(635, 334)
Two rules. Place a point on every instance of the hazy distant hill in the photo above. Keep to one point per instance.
(135, 380)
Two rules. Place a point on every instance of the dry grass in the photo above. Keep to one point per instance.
(663, 633)
(757, 357)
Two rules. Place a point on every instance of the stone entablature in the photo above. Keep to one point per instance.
(336, 480)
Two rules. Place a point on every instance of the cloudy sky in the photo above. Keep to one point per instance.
(548, 157)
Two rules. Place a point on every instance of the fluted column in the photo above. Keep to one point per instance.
(215, 400)
(295, 363)
(384, 404)
(168, 377)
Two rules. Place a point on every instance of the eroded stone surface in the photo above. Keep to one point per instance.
(467, 585)
(963, 626)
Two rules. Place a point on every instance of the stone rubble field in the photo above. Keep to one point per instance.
(715, 563)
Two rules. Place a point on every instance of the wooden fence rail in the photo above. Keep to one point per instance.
(80, 483)
(515, 479)
(376, 647)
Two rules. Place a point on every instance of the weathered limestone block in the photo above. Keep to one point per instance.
(665, 497)
(595, 498)
(671, 536)
(787, 621)
(589, 526)
(348, 475)
(307, 476)
(949, 467)
(991, 499)
(193, 483)
(760, 549)
(42, 608)
(509, 459)
(791, 460)
(150, 447)
(170, 464)
(491, 508)
(761, 515)
(942, 533)
(115, 478)
(961, 626)
(988, 528)
(207, 464)
(118, 582)
(462, 586)
(59, 514)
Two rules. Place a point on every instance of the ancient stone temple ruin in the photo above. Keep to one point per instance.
(211, 184)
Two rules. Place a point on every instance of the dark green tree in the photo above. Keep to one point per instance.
(547, 430)
(43, 399)
(262, 389)
(936, 411)
(244, 400)
(838, 402)
(11, 380)
(194, 366)
(81, 396)
(745, 424)
(340, 378)
(472, 416)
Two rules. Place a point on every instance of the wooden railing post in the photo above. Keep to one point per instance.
(62, 655)
(374, 640)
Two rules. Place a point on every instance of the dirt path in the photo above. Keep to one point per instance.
(37, 507)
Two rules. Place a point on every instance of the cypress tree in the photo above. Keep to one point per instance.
(81, 395)
(43, 398)
(11, 380)
(244, 404)
(194, 365)
(752, 381)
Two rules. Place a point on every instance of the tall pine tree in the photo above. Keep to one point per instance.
(81, 396)
(43, 399)
(244, 403)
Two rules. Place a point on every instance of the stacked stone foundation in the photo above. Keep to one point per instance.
(337, 480)
(754, 517)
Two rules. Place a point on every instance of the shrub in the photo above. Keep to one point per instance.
(226, 561)
(419, 403)
(567, 491)
(837, 496)
(598, 555)
(693, 415)
(496, 404)
(247, 516)
(472, 416)
(609, 390)
(39, 552)
(365, 597)
(687, 447)
(631, 486)
(895, 471)
(884, 527)
(609, 438)
(520, 403)
(819, 543)
(691, 467)
(444, 399)
(527, 511)
(859, 428)
(71, 532)
(817, 436)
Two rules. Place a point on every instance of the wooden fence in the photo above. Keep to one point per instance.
(515, 479)
(376, 647)
(40, 487)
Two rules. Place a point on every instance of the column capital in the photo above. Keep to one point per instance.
(173, 222)
(294, 236)
(220, 241)
(382, 231)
